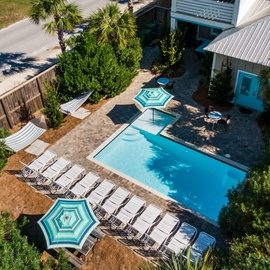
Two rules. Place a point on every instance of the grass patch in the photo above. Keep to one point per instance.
(12, 11)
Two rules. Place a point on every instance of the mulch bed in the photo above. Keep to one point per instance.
(202, 98)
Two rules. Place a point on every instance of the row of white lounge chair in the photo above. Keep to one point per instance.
(118, 207)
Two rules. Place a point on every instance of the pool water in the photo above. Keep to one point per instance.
(190, 177)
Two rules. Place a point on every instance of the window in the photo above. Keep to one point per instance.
(215, 31)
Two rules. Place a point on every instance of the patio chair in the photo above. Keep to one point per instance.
(39, 164)
(101, 192)
(81, 188)
(170, 85)
(203, 243)
(127, 214)
(149, 217)
(113, 203)
(164, 229)
(225, 121)
(71, 106)
(180, 241)
(67, 179)
(25, 136)
(54, 170)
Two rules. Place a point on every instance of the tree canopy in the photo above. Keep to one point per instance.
(110, 25)
(65, 17)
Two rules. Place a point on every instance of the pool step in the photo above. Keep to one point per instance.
(132, 135)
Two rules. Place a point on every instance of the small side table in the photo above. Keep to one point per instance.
(162, 81)
(214, 116)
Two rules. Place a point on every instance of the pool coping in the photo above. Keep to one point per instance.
(165, 134)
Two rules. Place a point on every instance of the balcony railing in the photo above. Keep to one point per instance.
(221, 11)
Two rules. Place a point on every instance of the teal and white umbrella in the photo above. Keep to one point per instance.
(68, 223)
(153, 98)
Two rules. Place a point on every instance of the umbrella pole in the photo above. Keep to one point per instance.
(153, 112)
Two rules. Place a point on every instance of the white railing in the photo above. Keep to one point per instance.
(206, 9)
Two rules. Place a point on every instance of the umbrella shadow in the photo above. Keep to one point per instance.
(121, 113)
(29, 227)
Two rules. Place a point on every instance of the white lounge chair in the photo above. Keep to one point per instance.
(83, 186)
(126, 215)
(113, 203)
(180, 241)
(25, 136)
(54, 171)
(165, 228)
(101, 192)
(39, 164)
(198, 249)
(71, 106)
(149, 217)
(67, 179)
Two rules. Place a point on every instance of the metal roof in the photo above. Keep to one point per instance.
(249, 42)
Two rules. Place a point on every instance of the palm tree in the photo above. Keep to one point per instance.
(65, 17)
(109, 24)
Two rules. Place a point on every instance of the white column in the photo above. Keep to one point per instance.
(173, 23)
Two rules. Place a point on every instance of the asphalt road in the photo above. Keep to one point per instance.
(25, 48)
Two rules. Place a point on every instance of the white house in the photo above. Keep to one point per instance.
(238, 30)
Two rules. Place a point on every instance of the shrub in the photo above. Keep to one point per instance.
(97, 67)
(220, 88)
(250, 252)
(52, 105)
(4, 133)
(171, 52)
(4, 154)
(246, 220)
(17, 253)
(205, 70)
(179, 263)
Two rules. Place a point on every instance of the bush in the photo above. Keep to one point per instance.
(205, 70)
(52, 105)
(99, 68)
(4, 154)
(4, 133)
(17, 253)
(221, 90)
(171, 52)
(179, 263)
(246, 220)
(250, 252)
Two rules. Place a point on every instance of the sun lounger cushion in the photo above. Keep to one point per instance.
(19, 140)
(74, 104)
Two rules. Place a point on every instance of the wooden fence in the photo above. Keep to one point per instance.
(28, 97)
(24, 100)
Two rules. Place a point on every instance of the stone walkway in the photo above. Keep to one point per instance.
(242, 140)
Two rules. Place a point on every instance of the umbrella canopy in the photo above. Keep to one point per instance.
(153, 97)
(68, 223)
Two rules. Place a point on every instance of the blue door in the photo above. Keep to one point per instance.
(248, 91)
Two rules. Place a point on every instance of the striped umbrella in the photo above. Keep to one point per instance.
(153, 98)
(68, 223)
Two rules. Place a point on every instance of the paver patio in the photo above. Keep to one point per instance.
(242, 140)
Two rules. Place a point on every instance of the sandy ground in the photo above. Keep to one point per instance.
(21, 200)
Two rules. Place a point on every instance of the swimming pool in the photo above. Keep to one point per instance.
(192, 178)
